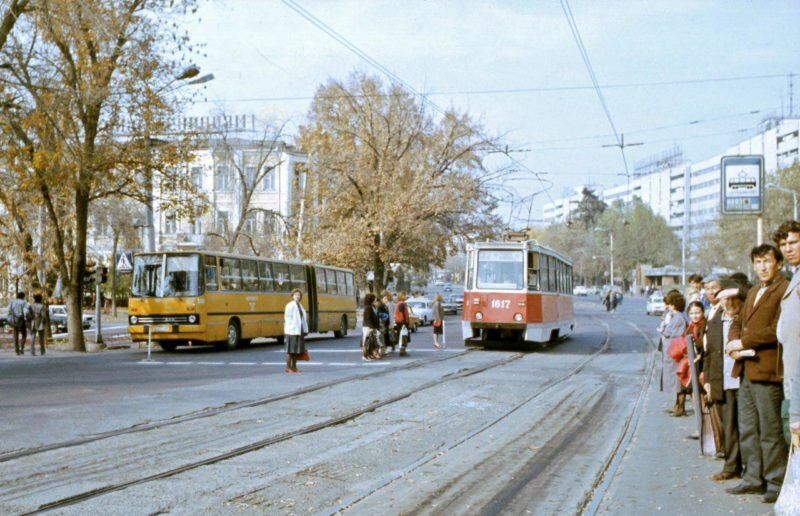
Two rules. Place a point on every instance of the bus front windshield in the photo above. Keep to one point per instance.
(160, 275)
(501, 270)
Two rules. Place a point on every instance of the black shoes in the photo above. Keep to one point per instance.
(770, 497)
(746, 489)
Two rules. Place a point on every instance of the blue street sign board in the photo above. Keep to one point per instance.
(742, 185)
(124, 261)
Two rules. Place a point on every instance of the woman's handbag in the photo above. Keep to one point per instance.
(677, 348)
(404, 331)
(789, 499)
(304, 356)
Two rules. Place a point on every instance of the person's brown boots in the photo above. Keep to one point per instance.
(680, 410)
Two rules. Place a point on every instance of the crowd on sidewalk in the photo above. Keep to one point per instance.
(742, 343)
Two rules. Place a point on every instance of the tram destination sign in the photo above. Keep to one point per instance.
(742, 185)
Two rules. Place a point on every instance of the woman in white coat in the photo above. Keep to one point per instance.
(295, 328)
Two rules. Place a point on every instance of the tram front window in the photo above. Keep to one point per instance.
(501, 270)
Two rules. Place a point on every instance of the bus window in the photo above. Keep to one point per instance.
(533, 271)
(332, 288)
(230, 274)
(553, 270)
(280, 276)
(321, 285)
(342, 282)
(351, 291)
(249, 275)
(210, 266)
(265, 277)
(298, 277)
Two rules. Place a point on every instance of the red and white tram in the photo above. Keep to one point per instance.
(517, 291)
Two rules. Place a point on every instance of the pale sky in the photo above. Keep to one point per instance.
(262, 49)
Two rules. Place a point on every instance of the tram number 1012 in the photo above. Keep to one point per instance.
(500, 303)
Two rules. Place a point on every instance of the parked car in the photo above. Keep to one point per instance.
(59, 318)
(655, 304)
(422, 308)
(580, 290)
(415, 320)
(448, 287)
(453, 304)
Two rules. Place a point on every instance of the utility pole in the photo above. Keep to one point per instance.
(621, 145)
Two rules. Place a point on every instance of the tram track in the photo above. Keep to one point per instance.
(547, 387)
(205, 413)
(261, 444)
(591, 503)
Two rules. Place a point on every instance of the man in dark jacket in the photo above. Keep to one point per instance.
(720, 387)
(18, 318)
(753, 342)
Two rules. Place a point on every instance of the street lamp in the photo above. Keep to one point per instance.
(773, 186)
(148, 227)
(611, 248)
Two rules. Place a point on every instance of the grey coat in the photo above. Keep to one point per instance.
(674, 327)
(789, 334)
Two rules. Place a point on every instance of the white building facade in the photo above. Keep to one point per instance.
(689, 194)
(273, 167)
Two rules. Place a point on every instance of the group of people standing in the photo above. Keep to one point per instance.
(745, 345)
(387, 325)
(23, 316)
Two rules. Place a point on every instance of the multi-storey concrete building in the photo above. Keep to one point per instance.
(688, 194)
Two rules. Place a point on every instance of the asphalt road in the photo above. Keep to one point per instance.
(561, 430)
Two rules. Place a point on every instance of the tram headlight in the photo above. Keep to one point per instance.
(478, 316)
(134, 319)
(517, 317)
(192, 319)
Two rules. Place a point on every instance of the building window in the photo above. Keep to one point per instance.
(269, 181)
(250, 174)
(222, 222)
(170, 224)
(196, 228)
(251, 222)
(197, 177)
(223, 179)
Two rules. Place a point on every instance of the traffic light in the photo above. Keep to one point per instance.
(88, 274)
(103, 275)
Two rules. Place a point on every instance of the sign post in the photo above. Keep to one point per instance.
(742, 187)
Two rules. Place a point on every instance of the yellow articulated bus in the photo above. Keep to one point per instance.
(187, 298)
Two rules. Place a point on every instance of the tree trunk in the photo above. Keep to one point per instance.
(75, 289)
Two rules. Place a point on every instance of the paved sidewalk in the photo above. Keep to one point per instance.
(663, 470)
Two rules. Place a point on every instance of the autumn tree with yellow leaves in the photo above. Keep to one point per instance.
(86, 85)
(388, 181)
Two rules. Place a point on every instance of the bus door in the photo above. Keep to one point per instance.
(313, 299)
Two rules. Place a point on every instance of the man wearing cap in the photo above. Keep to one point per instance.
(753, 343)
(718, 383)
(787, 238)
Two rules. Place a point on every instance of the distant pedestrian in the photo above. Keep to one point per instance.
(787, 237)
(402, 323)
(608, 299)
(385, 320)
(37, 313)
(674, 326)
(17, 318)
(753, 343)
(370, 328)
(390, 307)
(295, 328)
(438, 321)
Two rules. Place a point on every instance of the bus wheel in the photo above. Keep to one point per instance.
(168, 346)
(232, 336)
(342, 331)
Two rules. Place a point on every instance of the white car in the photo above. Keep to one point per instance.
(655, 304)
(59, 317)
(422, 308)
(580, 290)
